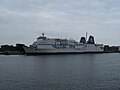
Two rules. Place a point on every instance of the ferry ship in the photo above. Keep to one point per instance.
(45, 45)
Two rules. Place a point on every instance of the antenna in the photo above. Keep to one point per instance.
(86, 36)
(43, 34)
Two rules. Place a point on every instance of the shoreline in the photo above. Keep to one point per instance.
(11, 53)
(22, 53)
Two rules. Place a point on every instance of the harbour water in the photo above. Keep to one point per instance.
(60, 72)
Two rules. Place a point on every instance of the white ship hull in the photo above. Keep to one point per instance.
(31, 50)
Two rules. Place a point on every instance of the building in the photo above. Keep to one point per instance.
(119, 49)
(19, 47)
(11, 48)
(7, 48)
(112, 49)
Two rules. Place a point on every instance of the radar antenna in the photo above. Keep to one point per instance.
(43, 34)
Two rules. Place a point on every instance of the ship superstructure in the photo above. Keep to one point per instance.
(45, 45)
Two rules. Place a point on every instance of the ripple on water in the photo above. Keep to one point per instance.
(60, 72)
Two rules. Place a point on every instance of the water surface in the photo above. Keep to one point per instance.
(60, 72)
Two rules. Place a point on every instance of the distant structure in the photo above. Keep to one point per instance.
(10, 49)
(118, 48)
(112, 49)
(7, 48)
(19, 47)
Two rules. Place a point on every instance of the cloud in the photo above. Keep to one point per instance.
(59, 18)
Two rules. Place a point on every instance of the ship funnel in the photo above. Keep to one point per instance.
(83, 40)
(91, 40)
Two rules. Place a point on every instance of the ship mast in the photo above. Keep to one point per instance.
(86, 36)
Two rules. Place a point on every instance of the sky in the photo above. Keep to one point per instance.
(22, 21)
